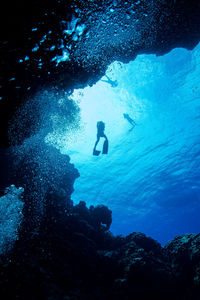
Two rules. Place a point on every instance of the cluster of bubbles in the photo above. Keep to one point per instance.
(11, 206)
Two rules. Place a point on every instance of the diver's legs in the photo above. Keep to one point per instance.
(98, 138)
(133, 123)
(105, 137)
(105, 145)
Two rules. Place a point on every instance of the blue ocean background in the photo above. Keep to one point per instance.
(150, 176)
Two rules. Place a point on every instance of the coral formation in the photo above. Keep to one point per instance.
(70, 257)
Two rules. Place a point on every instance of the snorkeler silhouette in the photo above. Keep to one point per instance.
(131, 121)
(100, 133)
(111, 82)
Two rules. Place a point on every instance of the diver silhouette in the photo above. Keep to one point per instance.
(111, 82)
(131, 121)
(100, 133)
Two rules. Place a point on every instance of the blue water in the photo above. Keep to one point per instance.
(150, 177)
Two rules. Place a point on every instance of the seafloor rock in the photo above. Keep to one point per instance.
(60, 260)
(69, 257)
(146, 273)
(184, 256)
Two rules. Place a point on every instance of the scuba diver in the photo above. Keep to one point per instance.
(131, 121)
(111, 82)
(100, 133)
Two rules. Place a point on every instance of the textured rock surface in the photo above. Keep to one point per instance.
(70, 44)
(72, 256)
(184, 255)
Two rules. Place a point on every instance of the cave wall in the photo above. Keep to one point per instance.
(70, 44)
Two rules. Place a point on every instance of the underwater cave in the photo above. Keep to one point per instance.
(149, 179)
(75, 225)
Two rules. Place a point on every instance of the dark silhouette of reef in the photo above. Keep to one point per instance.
(66, 251)
(72, 255)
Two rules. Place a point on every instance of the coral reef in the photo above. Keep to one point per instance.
(73, 256)
(184, 255)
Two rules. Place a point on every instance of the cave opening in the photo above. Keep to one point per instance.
(150, 176)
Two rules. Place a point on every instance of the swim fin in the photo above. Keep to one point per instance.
(105, 147)
(96, 152)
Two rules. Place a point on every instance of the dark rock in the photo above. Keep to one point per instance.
(71, 258)
(184, 255)
(101, 216)
(146, 272)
